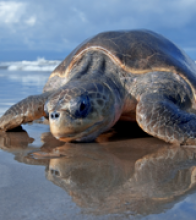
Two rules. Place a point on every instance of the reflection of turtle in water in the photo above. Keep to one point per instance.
(135, 75)
(106, 179)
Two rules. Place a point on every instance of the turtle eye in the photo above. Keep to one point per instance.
(83, 106)
(80, 107)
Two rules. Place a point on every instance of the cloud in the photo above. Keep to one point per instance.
(61, 25)
(81, 15)
(31, 21)
(11, 12)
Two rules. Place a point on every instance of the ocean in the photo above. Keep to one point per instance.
(119, 176)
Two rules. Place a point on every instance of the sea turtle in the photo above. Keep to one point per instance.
(131, 75)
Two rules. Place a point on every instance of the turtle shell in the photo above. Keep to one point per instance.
(137, 52)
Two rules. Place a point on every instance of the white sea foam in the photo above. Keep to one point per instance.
(41, 64)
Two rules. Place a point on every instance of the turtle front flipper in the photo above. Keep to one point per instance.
(27, 110)
(163, 117)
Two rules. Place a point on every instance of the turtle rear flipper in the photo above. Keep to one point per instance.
(163, 118)
(27, 110)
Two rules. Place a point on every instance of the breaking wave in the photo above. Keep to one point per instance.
(41, 64)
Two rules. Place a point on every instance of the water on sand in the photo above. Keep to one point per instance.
(123, 175)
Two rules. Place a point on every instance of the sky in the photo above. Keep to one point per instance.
(52, 29)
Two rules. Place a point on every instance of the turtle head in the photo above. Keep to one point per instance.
(81, 113)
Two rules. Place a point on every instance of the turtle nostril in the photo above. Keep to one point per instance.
(54, 115)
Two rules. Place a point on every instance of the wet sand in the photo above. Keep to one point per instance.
(122, 175)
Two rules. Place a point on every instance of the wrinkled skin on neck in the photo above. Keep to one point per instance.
(80, 111)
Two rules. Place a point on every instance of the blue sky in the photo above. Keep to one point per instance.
(52, 29)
